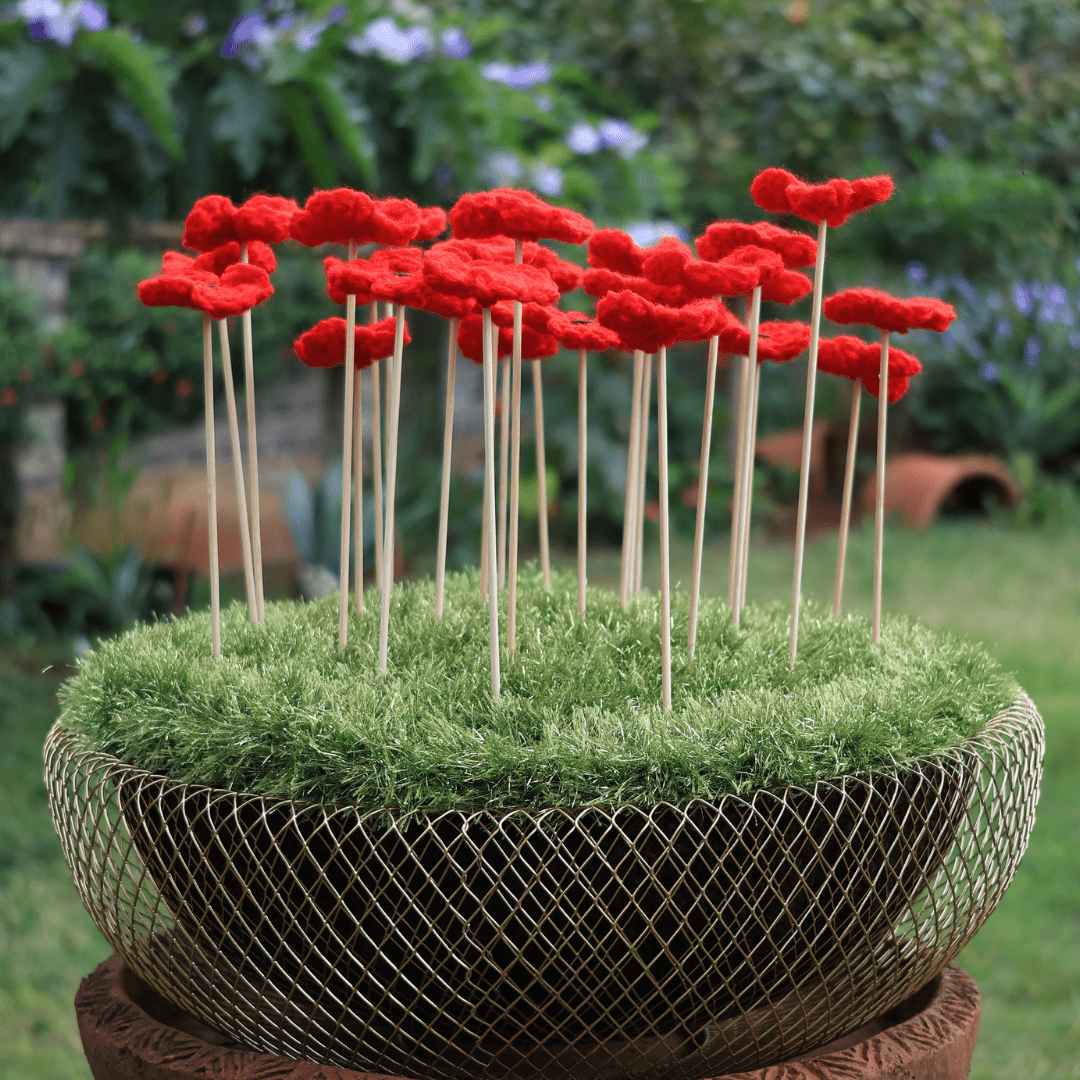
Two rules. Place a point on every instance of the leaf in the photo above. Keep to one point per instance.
(301, 116)
(247, 117)
(336, 102)
(25, 76)
(132, 65)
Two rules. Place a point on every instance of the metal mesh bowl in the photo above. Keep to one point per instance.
(633, 941)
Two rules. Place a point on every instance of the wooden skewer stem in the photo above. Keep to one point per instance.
(358, 490)
(879, 485)
(489, 487)
(665, 535)
(515, 471)
(807, 440)
(238, 470)
(643, 472)
(751, 463)
(448, 445)
(748, 454)
(377, 460)
(211, 488)
(253, 454)
(629, 503)
(703, 487)
(849, 488)
(504, 461)
(391, 487)
(346, 464)
(582, 476)
(736, 497)
(541, 472)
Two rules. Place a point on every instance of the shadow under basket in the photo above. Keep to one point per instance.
(594, 942)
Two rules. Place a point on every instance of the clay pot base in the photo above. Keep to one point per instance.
(130, 1032)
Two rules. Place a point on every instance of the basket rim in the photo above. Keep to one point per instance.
(60, 737)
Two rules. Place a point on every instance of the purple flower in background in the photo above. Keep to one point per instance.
(443, 175)
(916, 273)
(543, 102)
(1032, 348)
(455, 44)
(386, 39)
(503, 167)
(50, 20)
(939, 139)
(195, 25)
(583, 138)
(1055, 294)
(249, 29)
(647, 233)
(1074, 339)
(1022, 298)
(622, 136)
(520, 76)
(989, 371)
(1004, 328)
(548, 180)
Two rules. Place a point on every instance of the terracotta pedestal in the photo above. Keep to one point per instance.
(131, 1033)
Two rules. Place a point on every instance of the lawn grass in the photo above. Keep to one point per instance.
(1018, 592)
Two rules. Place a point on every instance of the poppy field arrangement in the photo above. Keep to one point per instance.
(499, 288)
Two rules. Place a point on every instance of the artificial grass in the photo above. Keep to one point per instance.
(285, 713)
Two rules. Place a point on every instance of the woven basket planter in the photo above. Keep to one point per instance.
(634, 941)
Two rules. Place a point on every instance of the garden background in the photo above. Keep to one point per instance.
(652, 116)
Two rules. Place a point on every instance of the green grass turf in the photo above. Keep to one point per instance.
(1019, 592)
(579, 721)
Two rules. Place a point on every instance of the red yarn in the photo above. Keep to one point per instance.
(672, 264)
(407, 289)
(536, 345)
(177, 264)
(348, 278)
(872, 307)
(488, 283)
(613, 249)
(902, 366)
(471, 339)
(449, 307)
(397, 260)
(264, 218)
(538, 316)
(779, 341)
(566, 275)
(599, 282)
(209, 223)
(333, 217)
(769, 190)
(577, 331)
(376, 341)
(393, 221)
(240, 287)
(778, 284)
(259, 254)
(323, 346)
(723, 237)
(780, 191)
(432, 223)
(644, 325)
(168, 290)
(516, 213)
(846, 355)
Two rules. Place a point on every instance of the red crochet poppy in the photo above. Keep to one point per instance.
(613, 249)
(397, 260)
(432, 223)
(536, 345)
(566, 275)
(240, 287)
(214, 221)
(471, 339)
(323, 346)
(177, 264)
(168, 290)
(846, 355)
(780, 191)
(599, 282)
(778, 284)
(644, 325)
(346, 278)
(902, 366)
(537, 316)
(449, 307)
(393, 221)
(576, 330)
(671, 263)
(333, 217)
(518, 214)
(488, 283)
(872, 307)
(721, 238)
(259, 254)
(779, 341)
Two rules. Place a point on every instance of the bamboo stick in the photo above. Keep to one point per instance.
(849, 488)
(665, 536)
(515, 471)
(504, 459)
(489, 488)
(377, 459)
(346, 463)
(211, 489)
(703, 486)
(253, 454)
(238, 471)
(747, 460)
(448, 440)
(630, 501)
(391, 487)
(737, 491)
(582, 502)
(541, 472)
(358, 489)
(808, 434)
(643, 473)
(879, 492)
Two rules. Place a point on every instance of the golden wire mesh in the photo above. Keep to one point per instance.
(638, 941)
